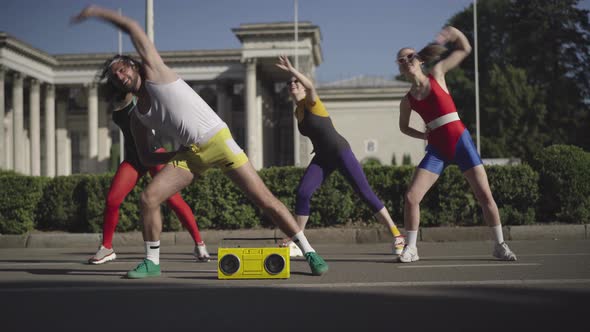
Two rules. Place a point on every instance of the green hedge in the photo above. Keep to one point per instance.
(564, 183)
(19, 195)
(516, 191)
(218, 203)
(76, 203)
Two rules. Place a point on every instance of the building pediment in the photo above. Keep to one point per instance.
(20, 57)
(7, 42)
(261, 40)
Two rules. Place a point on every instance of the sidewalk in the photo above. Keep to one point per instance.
(352, 235)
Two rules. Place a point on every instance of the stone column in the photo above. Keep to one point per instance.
(35, 127)
(259, 126)
(3, 161)
(92, 127)
(296, 142)
(26, 151)
(253, 117)
(69, 158)
(8, 139)
(17, 124)
(61, 137)
(104, 140)
(223, 103)
(49, 130)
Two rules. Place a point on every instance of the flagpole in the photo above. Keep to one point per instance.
(149, 19)
(296, 36)
(296, 135)
(121, 137)
(476, 77)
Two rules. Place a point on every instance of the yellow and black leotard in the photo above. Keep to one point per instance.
(314, 122)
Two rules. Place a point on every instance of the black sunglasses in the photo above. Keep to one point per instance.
(407, 58)
(292, 81)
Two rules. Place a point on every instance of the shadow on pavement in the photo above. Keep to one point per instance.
(152, 306)
(64, 272)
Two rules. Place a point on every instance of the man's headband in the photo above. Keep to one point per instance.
(115, 60)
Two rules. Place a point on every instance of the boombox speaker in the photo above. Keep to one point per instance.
(253, 263)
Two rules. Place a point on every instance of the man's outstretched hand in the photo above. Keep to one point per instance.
(87, 12)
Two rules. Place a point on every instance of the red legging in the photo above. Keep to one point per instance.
(123, 182)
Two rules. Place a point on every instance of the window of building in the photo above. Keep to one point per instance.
(370, 146)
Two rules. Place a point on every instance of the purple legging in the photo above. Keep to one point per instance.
(319, 170)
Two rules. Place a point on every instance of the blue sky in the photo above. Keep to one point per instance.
(358, 37)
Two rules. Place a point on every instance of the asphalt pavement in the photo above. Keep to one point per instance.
(456, 286)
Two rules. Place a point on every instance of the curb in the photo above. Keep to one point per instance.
(316, 236)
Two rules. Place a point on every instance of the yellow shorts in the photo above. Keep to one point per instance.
(219, 151)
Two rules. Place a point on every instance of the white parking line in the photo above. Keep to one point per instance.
(167, 272)
(118, 261)
(465, 265)
(115, 273)
(489, 256)
(437, 283)
(38, 264)
(127, 261)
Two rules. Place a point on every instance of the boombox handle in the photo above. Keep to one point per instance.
(222, 244)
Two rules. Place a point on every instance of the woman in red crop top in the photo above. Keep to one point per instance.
(448, 140)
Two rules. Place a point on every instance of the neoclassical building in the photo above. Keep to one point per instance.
(56, 120)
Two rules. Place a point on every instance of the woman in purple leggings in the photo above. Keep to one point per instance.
(332, 152)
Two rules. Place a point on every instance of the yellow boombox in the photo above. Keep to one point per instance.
(253, 263)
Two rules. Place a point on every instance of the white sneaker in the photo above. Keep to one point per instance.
(102, 256)
(201, 253)
(294, 250)
(409, 254)
(502, 252)
(398, 245)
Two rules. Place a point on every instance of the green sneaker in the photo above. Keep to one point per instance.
(316, 263)
(145, 269)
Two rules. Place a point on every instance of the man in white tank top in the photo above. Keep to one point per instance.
(167, 104)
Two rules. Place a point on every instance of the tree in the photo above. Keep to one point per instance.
(542, 49)
(371, 162)
(550, 40)
(513, 115)
(407, 159)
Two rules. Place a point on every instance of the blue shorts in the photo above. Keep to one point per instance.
(466, 156)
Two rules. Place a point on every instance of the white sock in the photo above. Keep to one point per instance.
(152, 251)
(411, 238)
(497, 230)
(301, 241)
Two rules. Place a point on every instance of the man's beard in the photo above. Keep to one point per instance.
(130, 87)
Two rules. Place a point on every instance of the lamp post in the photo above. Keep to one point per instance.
(149, 19)
(296, 137)
(476, 76)
(296, 23)
(121, 137)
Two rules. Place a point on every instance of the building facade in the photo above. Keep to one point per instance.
(56, 120)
